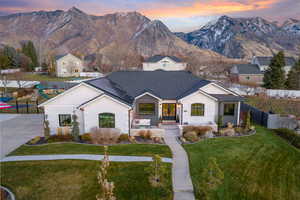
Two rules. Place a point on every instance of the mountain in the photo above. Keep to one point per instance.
(246, 37)
(115, 39)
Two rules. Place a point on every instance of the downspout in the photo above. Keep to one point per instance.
(129, 121)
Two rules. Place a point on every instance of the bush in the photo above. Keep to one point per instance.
(124, 138)
(146, 134)
(60, 138)
(239, 130)
(104, 135)
(199, 130)
(34, 140)
(86, 137)
(289, 135)
(191, 136)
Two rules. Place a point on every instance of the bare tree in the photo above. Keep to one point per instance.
(18, 77)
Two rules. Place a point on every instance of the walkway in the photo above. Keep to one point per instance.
(182, 183)
(81, 157)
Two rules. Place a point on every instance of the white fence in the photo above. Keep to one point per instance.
(9, 71)
(90, 74)
(284, 93)
(16, 84)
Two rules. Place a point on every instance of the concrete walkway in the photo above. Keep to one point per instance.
(182, 183)
(81, 157)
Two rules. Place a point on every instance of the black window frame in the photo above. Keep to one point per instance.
(197, 111)
(146, 112)
(62, 118)
(111, 124)
(231, 111)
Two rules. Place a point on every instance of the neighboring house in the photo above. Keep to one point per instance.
(68, 65)
(264, 62)
(247, 74)
(167, 63)
(122, 98)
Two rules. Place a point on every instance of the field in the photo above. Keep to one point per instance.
(125, 149)
(278, 106)
(77, 180)
(262, 166)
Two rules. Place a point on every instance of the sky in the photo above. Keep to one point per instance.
(178, 15)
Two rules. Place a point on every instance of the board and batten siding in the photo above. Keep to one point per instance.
(66, 103)
(210, 109)
(106, 105)
(166, 64)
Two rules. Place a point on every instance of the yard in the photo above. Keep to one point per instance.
(39, 77)
(122, 149)
(262, 166)
(278, 106)
(72, 180)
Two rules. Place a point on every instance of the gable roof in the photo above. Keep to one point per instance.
(263, 60)
(157, 58)
(57, 57)
(227, 97)
(163, 84)
(248, 69)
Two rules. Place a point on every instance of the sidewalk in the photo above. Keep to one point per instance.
(182, 183)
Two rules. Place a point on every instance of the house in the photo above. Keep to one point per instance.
(68, 65)
(264, 62)
(167, 63)
(247, 74)
(123, 97)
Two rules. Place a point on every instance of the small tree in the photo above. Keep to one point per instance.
(293, 79)
(157, 171)
(248, 121)
(220, 122)
(75, 128)
(212, 178)
(46, 129)
(107, 188)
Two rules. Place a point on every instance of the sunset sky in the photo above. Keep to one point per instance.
(179, 15)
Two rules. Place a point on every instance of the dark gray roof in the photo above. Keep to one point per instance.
(157, 58)
(227, 97)
(57, 85)
(248, 69)
(57, 57)
(267, 60)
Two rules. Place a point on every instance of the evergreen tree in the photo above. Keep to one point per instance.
(75, 127)
(274, 77)
(4, 61)
(293, 80)
(29, 50)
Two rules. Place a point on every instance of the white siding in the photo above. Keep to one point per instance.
(212, 89)
(210, 109)
(164, 64)
(106, 105)
(67, 65)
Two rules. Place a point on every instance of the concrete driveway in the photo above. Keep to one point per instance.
(16, 129)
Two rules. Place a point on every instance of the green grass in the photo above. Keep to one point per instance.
(39, 77)
(123, 149)
(77, 180)
(262, 166)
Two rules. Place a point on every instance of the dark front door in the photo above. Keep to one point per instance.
(169, 111)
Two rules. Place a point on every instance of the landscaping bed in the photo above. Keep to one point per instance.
(261, 166)
(77, 148)
(72, 180)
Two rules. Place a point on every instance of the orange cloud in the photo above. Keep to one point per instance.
(208, 8)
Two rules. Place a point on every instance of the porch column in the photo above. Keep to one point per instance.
(238, 114)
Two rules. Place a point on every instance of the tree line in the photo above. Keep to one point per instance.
(275, 76)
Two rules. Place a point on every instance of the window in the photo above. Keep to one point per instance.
(107, 120)
(146, 108)
(197, 109)
(65, 120)
(248, 77)
(229, 109)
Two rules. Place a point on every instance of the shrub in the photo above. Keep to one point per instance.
(191, 136)
(34, 140)
(202, 130)
(104, 135)
(86, 137)
(187, 129)
(60, 138)
(146, 134)
(124, 138)
(46, 129)
(289, 135)
(75, 128)
(239, 130)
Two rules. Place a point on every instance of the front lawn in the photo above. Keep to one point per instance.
(262, 166)
(121, 150)
(77, 180)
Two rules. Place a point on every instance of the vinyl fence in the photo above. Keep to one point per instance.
(284, 93)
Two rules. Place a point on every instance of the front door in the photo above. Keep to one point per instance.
(169, 111)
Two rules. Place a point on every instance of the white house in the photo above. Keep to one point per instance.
(264, 62)
(167, 63)
(122, 98)
(68, 65)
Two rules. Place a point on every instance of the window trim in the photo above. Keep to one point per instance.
(141, 113)
(198, 115)
(106, 113)
(230, 113)
(60, 116)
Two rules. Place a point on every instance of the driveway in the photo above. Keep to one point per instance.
(16, 129)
